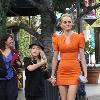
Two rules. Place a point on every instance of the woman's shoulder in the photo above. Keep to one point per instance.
(14, 50)
(75, 33)
(56, 34)
(56, 37)
(61, 36)
(78, 35)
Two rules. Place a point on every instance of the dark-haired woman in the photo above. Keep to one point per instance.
(9, 61)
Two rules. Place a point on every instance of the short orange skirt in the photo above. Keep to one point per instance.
(68, 72)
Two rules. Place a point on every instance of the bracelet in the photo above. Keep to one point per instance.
(53, 77)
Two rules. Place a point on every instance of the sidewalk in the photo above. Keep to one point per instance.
(93, 91)
(21, 95)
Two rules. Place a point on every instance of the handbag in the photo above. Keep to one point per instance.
(82, 79)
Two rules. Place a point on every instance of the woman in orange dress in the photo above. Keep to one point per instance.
(69, 44)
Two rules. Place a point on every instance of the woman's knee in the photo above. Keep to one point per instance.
(72, 92)
(63, 92)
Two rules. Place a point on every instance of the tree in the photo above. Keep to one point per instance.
(47, 15)
(48, 19)
(61, 6)
(4, 4)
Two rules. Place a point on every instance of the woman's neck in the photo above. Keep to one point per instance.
(7, 47)
(67, 33)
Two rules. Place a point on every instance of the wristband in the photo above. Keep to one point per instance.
(53, 77)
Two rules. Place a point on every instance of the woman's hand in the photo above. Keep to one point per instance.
(18, 63)
(53, 80)
(83, 79)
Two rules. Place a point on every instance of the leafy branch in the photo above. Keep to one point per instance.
(88, 48)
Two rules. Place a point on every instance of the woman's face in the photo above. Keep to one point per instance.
(35, 50)
(9, 42)
(66, 23)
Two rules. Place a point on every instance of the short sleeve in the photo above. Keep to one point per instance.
(55, 42)
(81, 41)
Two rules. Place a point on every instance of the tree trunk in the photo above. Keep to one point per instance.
(47, 26)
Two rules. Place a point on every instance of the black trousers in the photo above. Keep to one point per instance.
(9, 89)
(34, 98)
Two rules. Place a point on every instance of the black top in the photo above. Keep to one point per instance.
(34, 84)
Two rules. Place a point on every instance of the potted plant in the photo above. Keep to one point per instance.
(89, 49)
(93, 69)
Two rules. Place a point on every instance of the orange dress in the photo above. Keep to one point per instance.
(69, 67)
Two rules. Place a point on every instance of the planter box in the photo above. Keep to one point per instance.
(93, 75)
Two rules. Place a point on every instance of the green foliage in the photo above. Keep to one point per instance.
(61, 5)
(4, 4)
(24, 41)
(23, 36)
(97, 1)
(88, 48)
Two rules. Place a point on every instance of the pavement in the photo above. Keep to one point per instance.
(92, 91)
(21, 95)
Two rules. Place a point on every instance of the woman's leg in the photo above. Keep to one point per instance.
(3, 90)
(72, 90)
(63, 92)
(12, 89)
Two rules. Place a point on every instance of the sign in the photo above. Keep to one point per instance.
(90, 18)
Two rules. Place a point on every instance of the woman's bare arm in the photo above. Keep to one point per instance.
(54, 63)
(35, 66)
(83, 61)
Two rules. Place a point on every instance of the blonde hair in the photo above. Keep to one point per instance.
(41, 56)
(66, 15)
